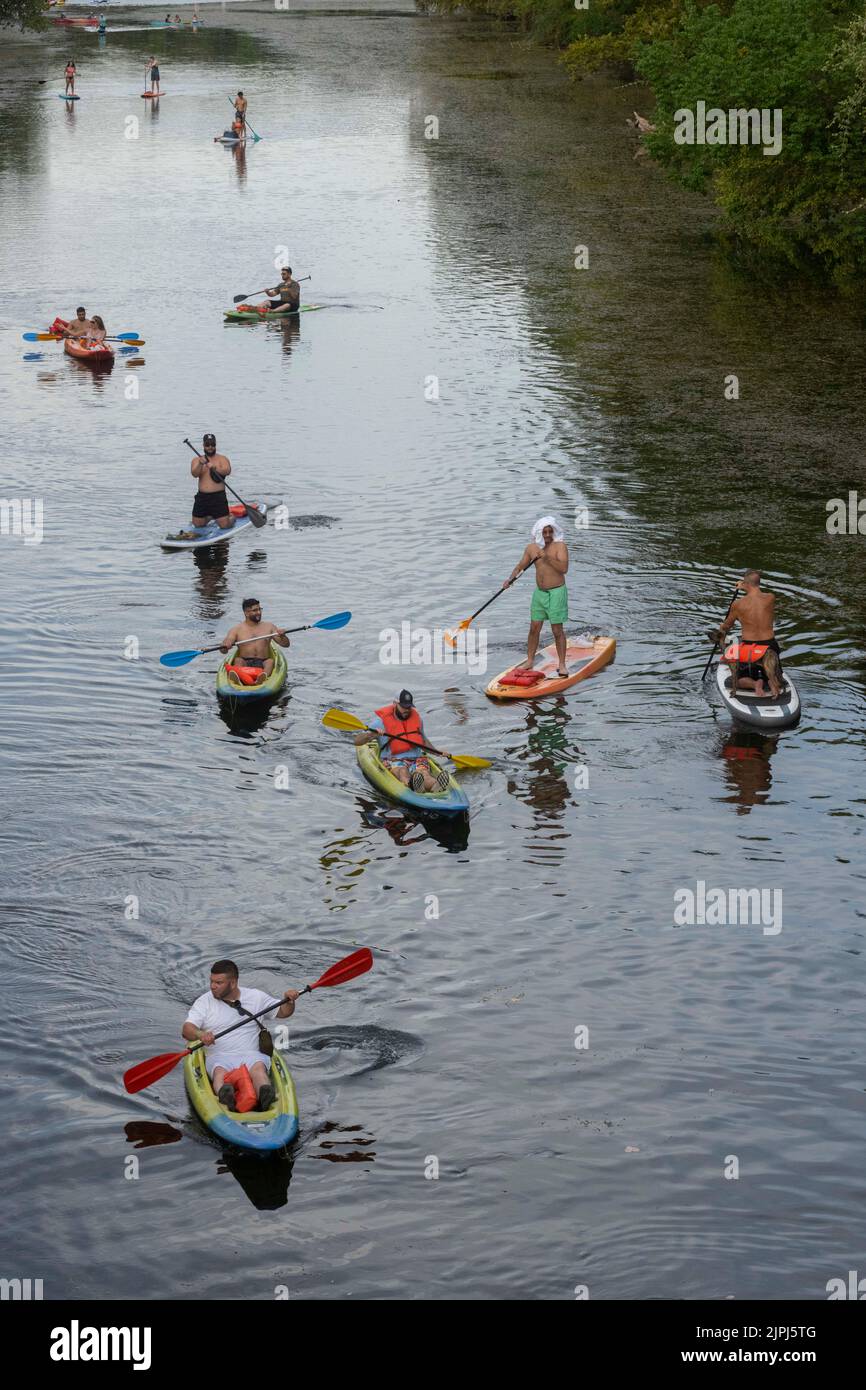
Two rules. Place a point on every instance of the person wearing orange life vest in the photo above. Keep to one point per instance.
(400, 729)
(756, 656)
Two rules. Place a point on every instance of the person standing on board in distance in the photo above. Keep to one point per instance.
(399, 729)
(757, 651)
(241, 111)
(70, 77)
(288, 293)
(210, 502)
(254, 656)
(224, 1004)
(548, 552)
(153, 74)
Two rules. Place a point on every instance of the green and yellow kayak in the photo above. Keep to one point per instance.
(264, 1130)
(251, 315)
(229, 687)
(452, 802)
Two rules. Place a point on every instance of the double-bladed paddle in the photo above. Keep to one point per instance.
(329, 624)
(341, 719)
(146, 1073)
(239, 298)
(451, 637)
(57, 337)
(253, 512)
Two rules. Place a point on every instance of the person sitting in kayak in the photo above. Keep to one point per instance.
(224, 1004)
(70, 78)
(399, 729)
(548, 552)
(211, 502)
(288, 292)
(756, 656)
(97, 333)
(79, 327)
(253, 662)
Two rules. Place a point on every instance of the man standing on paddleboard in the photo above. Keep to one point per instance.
(757, 653)
(548, 552)
(153, 74)
(224, 1004)
(241, 111)
(253, 663)
(288, 293)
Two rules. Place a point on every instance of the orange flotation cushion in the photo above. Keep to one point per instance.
(245, 1092)
(746, 651)
(521, 675)
(247, 675)
(238, 509)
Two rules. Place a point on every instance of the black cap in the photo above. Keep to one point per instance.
(405, 699)
(209, 439)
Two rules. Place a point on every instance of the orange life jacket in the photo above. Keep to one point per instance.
(748, 652)
(395, 726)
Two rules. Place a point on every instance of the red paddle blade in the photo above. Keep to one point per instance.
(358, 963)
(147, 1072)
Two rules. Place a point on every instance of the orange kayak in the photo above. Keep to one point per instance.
(583, 657)
(100, 355)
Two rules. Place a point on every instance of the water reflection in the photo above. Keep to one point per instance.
(746, 755)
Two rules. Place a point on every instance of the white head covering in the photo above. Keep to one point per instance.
(558, 533)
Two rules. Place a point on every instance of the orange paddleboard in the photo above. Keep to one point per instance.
(583, 657)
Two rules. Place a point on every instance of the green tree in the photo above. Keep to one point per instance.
(22, 14)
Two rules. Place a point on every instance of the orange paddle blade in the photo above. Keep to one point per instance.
(358, 963)
(451, 637)
(145, 1073)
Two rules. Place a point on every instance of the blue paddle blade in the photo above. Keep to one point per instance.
(179, 658)
(30, 337)
(34, 356)
(124, 337)
(336, 620)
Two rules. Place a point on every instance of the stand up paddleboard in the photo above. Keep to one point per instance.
(584, 656)
(211, 534)
(760, 711)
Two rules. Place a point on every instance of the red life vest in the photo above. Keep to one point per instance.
(395, 726)
(750, 652)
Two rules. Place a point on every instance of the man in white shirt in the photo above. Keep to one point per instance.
(226, 1004)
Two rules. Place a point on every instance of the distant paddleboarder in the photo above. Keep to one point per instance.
(288, 292)
(70, 78)
(548, 552)
(756, 656)
(153, 74)
(241, 111)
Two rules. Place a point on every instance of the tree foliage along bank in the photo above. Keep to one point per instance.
(22, 14)
(806, 205)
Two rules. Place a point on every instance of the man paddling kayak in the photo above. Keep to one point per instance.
(399, 729)
(756, 656)
(224, 1004)
(548, 552)
(288, 292)
(253, 663)
(81, 326)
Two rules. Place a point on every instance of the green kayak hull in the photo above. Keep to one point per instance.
(263, 1130)
(452, 802)
(230, 688)
(234, 316)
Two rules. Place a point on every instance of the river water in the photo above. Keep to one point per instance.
(583, 1070)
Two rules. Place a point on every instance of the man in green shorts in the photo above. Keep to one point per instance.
(548, 552)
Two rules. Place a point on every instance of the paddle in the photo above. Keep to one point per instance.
(183, 658)
(451, 637)
(340, 719)
(239, 298)
(57, 337)
(146, 1073)
(736, 595)
(253, 512)
(247, 125)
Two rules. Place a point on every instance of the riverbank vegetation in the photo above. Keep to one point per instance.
(803, 206)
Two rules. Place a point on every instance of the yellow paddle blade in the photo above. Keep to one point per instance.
(339, 719)
(464, 760)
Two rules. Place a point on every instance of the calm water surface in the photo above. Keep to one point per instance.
(558, 390)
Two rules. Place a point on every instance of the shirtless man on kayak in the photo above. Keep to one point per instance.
(757, 651)
(399, 729)
(79, 327)
(548, 552)
(288, 293)
(255, 654)
(218, 1009)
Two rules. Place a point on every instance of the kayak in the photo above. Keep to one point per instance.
(61, 19)
(229, 687)
(584, 656)
(760, 711)
(208, 535)
(452, 802)
(100, 355)
(264, 1130)
(248, 314)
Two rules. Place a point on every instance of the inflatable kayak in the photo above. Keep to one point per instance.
(760, 711)
(230, 686)
(248, 313)
(452, 802)
(264, 1130)
(584, 656)
(191, 537)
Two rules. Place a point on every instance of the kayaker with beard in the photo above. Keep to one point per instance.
(288, 293)
(210, 502)
(548, 552)
(79, 327)
(223, 1005)
(255, 655)
(399, 729)
(757, 653)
